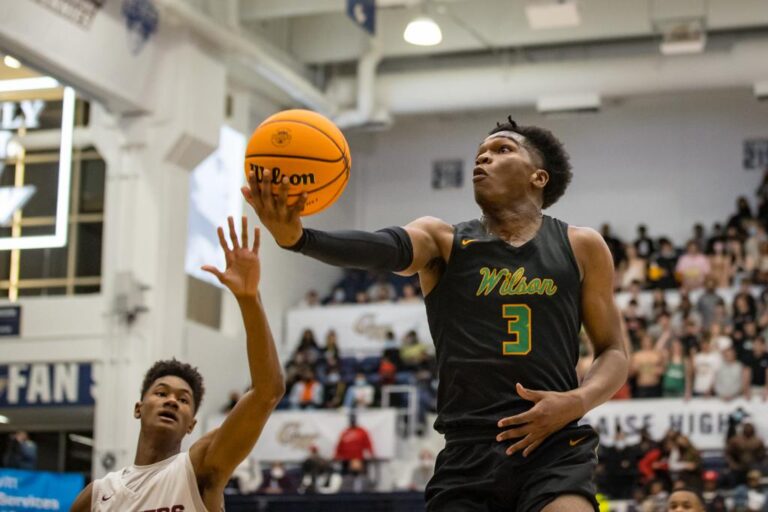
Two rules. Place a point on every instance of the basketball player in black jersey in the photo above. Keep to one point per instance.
(506, 297)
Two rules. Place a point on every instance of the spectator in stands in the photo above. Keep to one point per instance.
(313, 467)
(409, 294)
(729, 377)
(743, 214)
(644, 245)
(382, 290)
(277, 481)
(336, 297)
(412, 352)
(744, 451)
(721, 266)
(676, 381)
(750, 497)
(307, 393)
(634, 269)
(311, 299)
(423, 471)
(761, 265)
(634, 321)
(708, 301)
(620, 463)
(749, 305)
(331, 350)
(692, 267)
(659, 304)
(354, 443)
(391, 349)
(362, 297)
(21, 451)
(646, 366)
(615, 245)
(308, 349)
(756, 365)
(360, 394)
(714, 501)
(657, 497)
(684, 462)
(248, 477)
(387, 371)
(699, 237)
(335, 389)
(705, 364)
(356, 480)
(661, 272)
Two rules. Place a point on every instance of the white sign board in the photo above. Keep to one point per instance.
(288, 435)
(360, 328)
(703, 420)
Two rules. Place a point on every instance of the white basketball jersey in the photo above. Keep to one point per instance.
(166, 486)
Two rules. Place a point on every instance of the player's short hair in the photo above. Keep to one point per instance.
(177, 369)
(551, 154)
(690, 490)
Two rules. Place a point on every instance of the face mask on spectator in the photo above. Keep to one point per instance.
(277, 473)
(360, 381)
(333, 378)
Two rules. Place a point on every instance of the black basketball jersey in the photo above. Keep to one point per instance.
(500, 315)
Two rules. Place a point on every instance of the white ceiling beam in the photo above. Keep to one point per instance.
(254, 10)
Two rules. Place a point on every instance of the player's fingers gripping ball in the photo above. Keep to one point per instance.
(306, 148)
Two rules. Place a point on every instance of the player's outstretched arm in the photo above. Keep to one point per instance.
(396, 249)
(216, 455)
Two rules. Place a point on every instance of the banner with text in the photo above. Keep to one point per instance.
(288, 435)
(360, 328)
(38, 490)
(703, 420)
(46, 384)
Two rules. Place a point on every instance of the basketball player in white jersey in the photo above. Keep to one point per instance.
(164, 479)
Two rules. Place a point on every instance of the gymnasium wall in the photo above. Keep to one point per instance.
(665, 160)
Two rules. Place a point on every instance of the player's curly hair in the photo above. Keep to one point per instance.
(551, 154)
(177, 369)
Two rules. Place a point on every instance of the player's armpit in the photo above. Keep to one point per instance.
(431, 239)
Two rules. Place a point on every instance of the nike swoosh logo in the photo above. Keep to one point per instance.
(465, 243)
(574, 442)
(106, 498)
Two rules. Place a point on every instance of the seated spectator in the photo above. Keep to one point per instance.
(721, 266)
(422, 473)
(335, 389)
(635, 269)
(657, 497)
(692, 267)
(276, 481)
(391, 349)
(707, 302)
(743, 214)
(382, 290)
(713, 499)
(661, 270)
(311, 299)
(706, 363)
(336, 297)
(313, 467)
(699, 237)
(356, 480)
(248, 477)
(387, 371)
(308, 350)
(409, 294)
(646, 366)
(676, 380)
(360, 394)
(750, 497)
(718, 235)
(744, 452)
(307, 393)
(20, 452)
(644, 246)
(361, 298)
(729, 377)
(634, 321)
(745, 291)
(756, 364)
(413, 351)
(331, 350)
(354, 443)
(684, 462)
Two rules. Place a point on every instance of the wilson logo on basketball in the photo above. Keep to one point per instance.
(277, 176)
(281, 138)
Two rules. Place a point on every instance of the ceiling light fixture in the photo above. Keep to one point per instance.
(11, 62)
(423, 31)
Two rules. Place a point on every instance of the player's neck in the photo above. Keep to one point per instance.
(153, 449)
(515, 224)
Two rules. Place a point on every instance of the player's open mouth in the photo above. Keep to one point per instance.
(478, 174)
(168, 416)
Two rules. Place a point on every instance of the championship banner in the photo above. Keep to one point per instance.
(288, 435)
(360, 328)
(703, 420)
(38, 490)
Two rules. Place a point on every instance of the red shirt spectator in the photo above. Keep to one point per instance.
(354, 442)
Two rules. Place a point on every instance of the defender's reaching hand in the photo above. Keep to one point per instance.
(283, 221)
(243, 269)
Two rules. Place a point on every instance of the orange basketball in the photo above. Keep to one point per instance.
(308, 149)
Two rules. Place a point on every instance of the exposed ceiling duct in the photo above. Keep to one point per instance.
(523, 85)
(365, 115)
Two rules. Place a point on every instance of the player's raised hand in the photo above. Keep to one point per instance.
(283, 221)
(552, 410)
(243, 268)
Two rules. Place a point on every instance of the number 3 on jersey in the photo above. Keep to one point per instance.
(518, 318)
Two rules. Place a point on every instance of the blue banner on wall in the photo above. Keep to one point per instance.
(363, 12)
(46, 384)
(38, 490)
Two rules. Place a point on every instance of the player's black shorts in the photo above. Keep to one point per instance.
(473, 474)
